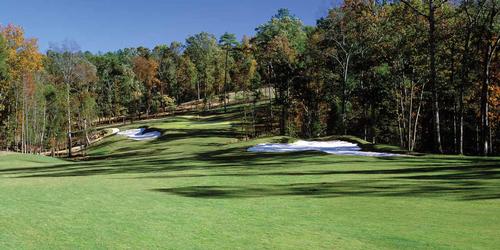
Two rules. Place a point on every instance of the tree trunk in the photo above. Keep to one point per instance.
(417, 117)
(43, 127)
(70, 139)
(86, 132)
(344, 96)
(284, 110)
(452, 83)
(365, 111)
(410, 113)
(463, 80)
(253, 116)
(365, 125)
(491, 42)
(225, 81)
(455, 141)
(490, 132)
(198, 89)
(398, 114)
(477, 139)
(16, 110)
(461, 123)
(484, 103)
(432, 57)
(270, 98)
(22, 125)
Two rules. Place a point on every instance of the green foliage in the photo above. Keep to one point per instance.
(345, 75)
(285, 25)
(3, 59)
(168, 102)
(187, 77)
(203, 51)
(54, 98)
(3, 75)
(168, 62)
(228, 40)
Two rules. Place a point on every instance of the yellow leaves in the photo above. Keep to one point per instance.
(253, 69)
(280, 47)
(14, 35)
(30, 57)
(22, 53)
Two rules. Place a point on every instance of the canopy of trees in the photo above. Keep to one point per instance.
(421, 74)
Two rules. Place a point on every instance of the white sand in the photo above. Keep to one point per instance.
(330, 147)
(139, 135)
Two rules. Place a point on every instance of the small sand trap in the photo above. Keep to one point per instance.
(139, 135)
(330, 147)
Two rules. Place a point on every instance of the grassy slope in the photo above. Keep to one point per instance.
(197, 187)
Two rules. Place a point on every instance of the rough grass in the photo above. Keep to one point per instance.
(197, 187)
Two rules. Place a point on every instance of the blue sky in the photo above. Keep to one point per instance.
(108, 25)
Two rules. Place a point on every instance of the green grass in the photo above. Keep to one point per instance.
(197, 187)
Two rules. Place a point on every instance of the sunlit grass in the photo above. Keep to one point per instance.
(197, 187)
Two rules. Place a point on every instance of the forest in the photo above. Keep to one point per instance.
(423, 75)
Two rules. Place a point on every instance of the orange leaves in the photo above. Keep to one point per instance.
(494, 102)
(13, 34)
(145, 70)
(29, 84)
(280, 48)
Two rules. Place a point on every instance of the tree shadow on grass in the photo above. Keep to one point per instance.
(461, 181)
(236, 162)
(170, 135)
(221, 117)
(350, 188)
(453, 178)
(140, 162)
(465, 172)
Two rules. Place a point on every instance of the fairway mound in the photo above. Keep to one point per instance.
(330, 147)
(139, 135)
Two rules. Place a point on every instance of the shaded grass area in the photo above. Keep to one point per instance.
(198, 187)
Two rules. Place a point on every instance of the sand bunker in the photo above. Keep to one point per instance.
(330, 147)
(139, 135)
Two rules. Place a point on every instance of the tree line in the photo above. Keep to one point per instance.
(421, 74)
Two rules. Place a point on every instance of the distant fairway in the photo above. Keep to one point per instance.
(197, 187)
